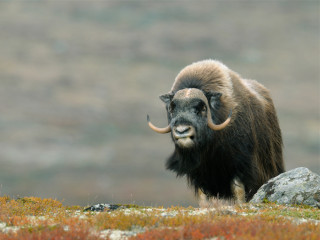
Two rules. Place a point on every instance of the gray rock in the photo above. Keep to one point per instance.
(297, 186)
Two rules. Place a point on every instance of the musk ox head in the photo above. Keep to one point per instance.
(189, 117)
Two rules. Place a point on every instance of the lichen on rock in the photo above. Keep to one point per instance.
(297, 186)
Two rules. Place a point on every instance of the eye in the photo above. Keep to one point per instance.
(204, 110)
(201, 109)
(171, 107)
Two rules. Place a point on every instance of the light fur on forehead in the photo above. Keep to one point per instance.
(190, 93)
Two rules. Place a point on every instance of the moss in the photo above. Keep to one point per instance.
(296, 213)
(266, 200)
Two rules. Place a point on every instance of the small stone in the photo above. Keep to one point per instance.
(104, 207)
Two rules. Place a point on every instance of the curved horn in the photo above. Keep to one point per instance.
(220, 126)
(156, 129)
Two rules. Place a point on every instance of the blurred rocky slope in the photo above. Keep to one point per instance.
(78, 78)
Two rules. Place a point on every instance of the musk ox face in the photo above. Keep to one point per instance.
(189, 117)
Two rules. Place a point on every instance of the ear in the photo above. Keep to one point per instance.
(166, 98)
(214, 99)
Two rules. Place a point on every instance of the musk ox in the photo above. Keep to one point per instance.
(225, 130)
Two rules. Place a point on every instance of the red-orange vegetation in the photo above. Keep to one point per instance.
(237, 228)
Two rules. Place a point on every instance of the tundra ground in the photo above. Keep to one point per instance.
(35, 218)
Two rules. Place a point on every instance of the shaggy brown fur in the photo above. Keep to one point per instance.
(248, 150)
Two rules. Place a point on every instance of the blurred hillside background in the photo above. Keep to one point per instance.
(77, 79)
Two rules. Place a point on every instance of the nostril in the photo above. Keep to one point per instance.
(182, 129)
